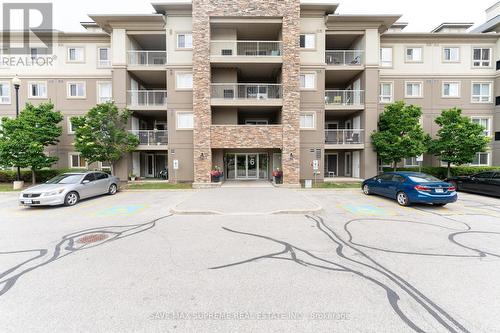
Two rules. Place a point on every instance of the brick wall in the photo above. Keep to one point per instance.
(249, 136)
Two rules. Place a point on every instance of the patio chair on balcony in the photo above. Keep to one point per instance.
(356, 60)
(337, 100)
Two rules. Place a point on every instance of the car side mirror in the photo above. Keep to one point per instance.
(86, 181)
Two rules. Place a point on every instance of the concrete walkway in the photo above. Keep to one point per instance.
(247, 183)
(247, 201)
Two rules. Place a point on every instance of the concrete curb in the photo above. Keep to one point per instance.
(275, 212)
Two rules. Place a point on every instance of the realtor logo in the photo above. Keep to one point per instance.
(27, 26)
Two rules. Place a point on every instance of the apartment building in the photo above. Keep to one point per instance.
(256, 87)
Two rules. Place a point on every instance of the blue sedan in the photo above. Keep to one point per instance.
(411, 187)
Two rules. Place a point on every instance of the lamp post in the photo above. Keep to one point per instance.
(16, 82)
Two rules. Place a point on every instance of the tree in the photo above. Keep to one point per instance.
(101, 135)
(458, 139)
(23, 141)
(400, 134)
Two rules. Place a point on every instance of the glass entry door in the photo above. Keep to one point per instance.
(247, 166)
(252, 165)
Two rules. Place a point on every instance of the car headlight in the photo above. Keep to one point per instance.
(55, 192)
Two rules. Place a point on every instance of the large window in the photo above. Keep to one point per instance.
(184, 80)
(386, 57)
(481, 92)
(185, 120)
(307, 120)
(451, 54)
(37, 89)
(76, 90)
(76, 54)
(307, 41)
(185, 41)
(451, 89)
(103, 57)
(308, 81)
(4, 92)
(411, 162)
(386, 92)
(76, 161)
(104, 92)
(485, 122)
(413, 89)
(481, 159)
(413, 54)
(481, 57)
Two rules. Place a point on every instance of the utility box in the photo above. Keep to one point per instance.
(308, 183)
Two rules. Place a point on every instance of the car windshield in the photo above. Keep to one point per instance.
(423, 179)
(65, 179)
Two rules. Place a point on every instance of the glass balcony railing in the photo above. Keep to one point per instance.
(344, 136)
(146, 58)
(344, 57)
(146, 98)
(343, 98)
(259, 91)
(151, 137)
(241, 48)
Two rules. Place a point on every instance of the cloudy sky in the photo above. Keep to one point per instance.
(422, 15)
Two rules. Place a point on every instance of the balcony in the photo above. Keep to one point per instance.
(344, 58)
(344, 139)
(245, 51)
(344, 99)
(147, 99)
(246, 136)
(147, 59)
(246, 94)
(151, 139)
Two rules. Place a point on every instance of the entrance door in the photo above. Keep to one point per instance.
(252, 166)
(348, 164)
(150, 165)
(160, 163)
(241, 166)
(331, 165)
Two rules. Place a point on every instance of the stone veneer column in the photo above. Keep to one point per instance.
(289, 10)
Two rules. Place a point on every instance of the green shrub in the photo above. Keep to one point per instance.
(440, 172)
(8, 176)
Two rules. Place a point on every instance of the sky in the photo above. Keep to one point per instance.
(422, 16)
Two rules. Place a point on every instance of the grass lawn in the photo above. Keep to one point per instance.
(158, 186)
(338, 185)
(6, 187)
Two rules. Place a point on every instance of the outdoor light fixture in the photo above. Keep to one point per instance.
(291, 156)
(202, 156)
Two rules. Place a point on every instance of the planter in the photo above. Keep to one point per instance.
(18, 185)
(132, 179)
(215, 179)
(278, 180)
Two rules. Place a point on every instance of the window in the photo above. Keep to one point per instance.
(411, 162)
(481, 57)
(76, 89)
(481, 159)
(185, 41)
(307, 41)
(307, 120)
(385, 92)
(413, 89)
(481, 92)
(308, 81)
(451, 89)
(413, 54)
(485, 122)
(5, 92)
(185, 120)
(451, 54)
(37, 90)
(101, 175)
(104, 92)
(103, 58)
(184, 80)
(71, 128)
(76, 54)
(386, 57)
(76, 161)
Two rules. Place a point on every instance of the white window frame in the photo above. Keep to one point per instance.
(481, 62)
(481, 97)
(487, 130)
(177, 118)
(488, 157)
(31, 96)
(421, 83)
(315, 79)
(70, 126)
(70, 161)
(451, 82)
(68, 90)
(103, 63)
(185, 34)
(391, 96)
(306, 47)
(413, 60)
(98, 94)
(386, 63)
(308, 113)
(68, 52)
(8, 98)
(444, 60)
(177, 74)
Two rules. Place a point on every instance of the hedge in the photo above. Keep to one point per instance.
(8, 176)
(441, 172)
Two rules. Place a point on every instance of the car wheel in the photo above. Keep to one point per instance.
(71, 199)
(366, 190)
(439, 204)
(402, 199)
(112, 189)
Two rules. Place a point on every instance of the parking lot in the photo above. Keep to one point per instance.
(227, 260)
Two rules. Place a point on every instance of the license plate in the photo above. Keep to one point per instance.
(439, 190)
(28, 201)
